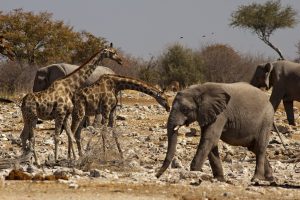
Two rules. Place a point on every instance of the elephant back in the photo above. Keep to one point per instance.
(99, 71)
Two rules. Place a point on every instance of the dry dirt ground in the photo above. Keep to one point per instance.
(142, 135)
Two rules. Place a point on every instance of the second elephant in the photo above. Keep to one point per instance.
(284, 77)
(45, 76)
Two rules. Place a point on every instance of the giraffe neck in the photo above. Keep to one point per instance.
(126, 83)
(78, 77)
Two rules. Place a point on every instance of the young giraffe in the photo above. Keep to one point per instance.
(56, 101)
(6, 48)
(101, 98)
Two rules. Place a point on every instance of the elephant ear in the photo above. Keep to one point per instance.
(268, 71)
(210, 104)
(56, 72)
(268, 67)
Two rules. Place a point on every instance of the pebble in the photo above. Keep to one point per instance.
(95, 173)
(73, 185)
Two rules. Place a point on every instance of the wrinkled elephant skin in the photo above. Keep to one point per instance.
(238, 113)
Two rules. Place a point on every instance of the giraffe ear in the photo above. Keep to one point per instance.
(111, 45)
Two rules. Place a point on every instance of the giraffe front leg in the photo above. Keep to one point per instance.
(25, 136)
(58, 126)
(105, 114)
(71, 139)
(76, 127)
(112, 117)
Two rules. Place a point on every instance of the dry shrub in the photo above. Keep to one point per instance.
(223, 64)
(16, 78)
(97, 155)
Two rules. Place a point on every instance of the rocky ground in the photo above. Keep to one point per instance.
(141, 131)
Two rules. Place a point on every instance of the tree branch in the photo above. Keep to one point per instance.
(265, 40)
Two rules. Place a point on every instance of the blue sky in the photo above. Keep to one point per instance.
(146, 27)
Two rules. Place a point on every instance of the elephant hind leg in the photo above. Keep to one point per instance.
(268, 171)
(263, 170)
(288, 107)
(216, 165)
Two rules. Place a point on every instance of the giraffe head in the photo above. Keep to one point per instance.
(110, 52)
(6, 48)
(162, 99)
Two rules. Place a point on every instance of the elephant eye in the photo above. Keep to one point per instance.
(185, 110)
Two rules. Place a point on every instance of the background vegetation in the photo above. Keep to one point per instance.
(39, 40)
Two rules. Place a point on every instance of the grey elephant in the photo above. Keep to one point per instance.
(284, 77)
(237, 113)
(45, 76)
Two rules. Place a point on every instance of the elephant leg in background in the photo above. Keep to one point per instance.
(97, 120)
(215, 163)
(87, 122)
(210, 137)
(288, 107)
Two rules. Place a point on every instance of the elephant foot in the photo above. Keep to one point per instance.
(292, 123)
(195, 168)
(271, 180)
(256, 178)
(220, 178)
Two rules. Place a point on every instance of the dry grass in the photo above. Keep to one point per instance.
(101, 151)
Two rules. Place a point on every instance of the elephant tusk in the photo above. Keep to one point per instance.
(176, 128)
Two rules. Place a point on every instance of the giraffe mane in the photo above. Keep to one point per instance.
(82, 65)
(135, 79)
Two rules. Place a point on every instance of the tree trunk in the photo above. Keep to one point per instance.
(273, 47)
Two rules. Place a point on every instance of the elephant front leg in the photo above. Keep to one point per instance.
(216, 165)
(209, 139)
(288, 107)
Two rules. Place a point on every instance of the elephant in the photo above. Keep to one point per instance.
(237, 113)
(45, 76)
(284, 77)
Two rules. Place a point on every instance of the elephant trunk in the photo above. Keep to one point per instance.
(172, 141)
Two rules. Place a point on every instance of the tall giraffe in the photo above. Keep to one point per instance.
(6, 48)
(101, 98)
(56, 101)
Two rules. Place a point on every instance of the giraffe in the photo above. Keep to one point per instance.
(56, 102)
(6, 48)
(101, 98)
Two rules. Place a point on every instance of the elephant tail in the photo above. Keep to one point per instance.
(279, 135)
(17, 102)
(4, 100)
